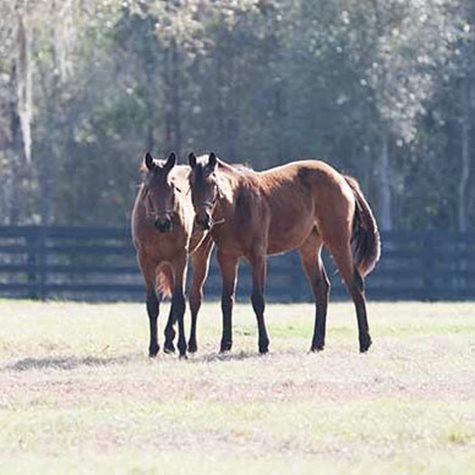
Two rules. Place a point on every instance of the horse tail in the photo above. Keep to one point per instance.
(164, 281)
(365, 239)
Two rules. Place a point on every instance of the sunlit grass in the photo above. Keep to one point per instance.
(78, 393)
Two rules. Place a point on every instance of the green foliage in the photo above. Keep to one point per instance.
(258, 81)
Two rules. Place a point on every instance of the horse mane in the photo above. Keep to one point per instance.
(242, 168)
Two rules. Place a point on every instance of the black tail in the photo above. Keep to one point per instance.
(365, 239)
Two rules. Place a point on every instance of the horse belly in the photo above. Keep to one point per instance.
(290, 227)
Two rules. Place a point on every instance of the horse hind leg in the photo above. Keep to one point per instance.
(310, 255)
(166, 283)
(170, 333)
(355, 284)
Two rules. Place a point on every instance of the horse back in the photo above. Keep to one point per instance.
(287, 206)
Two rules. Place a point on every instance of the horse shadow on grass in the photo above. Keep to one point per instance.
(65, 363)
(69, 363)
(228, 356)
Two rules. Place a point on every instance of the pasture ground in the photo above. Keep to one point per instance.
(79, 395)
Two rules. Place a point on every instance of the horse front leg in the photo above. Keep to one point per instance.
(152, 302)
(258, 265)
(228, 265)
(200, 266)
(178, 301)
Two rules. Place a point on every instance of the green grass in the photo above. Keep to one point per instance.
(79, 395)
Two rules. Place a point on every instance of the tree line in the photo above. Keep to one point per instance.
(381, 89)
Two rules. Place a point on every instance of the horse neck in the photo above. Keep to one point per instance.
(231, 183)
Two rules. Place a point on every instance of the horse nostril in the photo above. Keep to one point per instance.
(204, 222)
(164, 226)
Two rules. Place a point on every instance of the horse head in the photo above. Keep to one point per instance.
(204, 186)
(159, 191)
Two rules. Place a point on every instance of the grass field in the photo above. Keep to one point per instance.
(79, 395)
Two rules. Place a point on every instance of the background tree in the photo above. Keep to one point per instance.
(381, 89)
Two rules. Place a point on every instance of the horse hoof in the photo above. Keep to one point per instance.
(153, 350)
(317, 348)
(226, 346)
(263, 350)
(192, 347)
(169, 348)
(365, 344)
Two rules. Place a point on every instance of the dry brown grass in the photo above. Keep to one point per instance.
(78, 393)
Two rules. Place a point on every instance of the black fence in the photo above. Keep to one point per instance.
(99, 264)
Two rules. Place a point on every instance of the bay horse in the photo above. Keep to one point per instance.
(303, 205)
(164, 235)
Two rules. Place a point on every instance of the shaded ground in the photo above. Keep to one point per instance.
(78, 393)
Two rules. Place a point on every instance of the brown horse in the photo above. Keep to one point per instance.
(163, 235)
(302, 205)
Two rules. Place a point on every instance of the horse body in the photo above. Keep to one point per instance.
(303, 205)
(164, 235)
(282, 206)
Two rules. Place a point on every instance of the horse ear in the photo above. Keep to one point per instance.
(212, 160)
(149, 161)
(170, 163)
(192, 160)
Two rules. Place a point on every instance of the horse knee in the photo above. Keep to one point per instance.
(227, 302)
(179, 304)
(195, 300)
(323, 285)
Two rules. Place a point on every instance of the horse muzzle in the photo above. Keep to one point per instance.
(204, 222)
(164, 225)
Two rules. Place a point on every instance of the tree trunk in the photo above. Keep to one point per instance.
(383, 171)
(149, 94)
(16, 200)
(167, 106)
(176, 99)
(232, 109)
(23, 83)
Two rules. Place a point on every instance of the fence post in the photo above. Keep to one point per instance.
(42, 262)
(461, 266)
(31, 259)
(36, 261)
(429, 290)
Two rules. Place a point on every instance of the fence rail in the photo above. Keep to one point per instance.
(89, 263)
